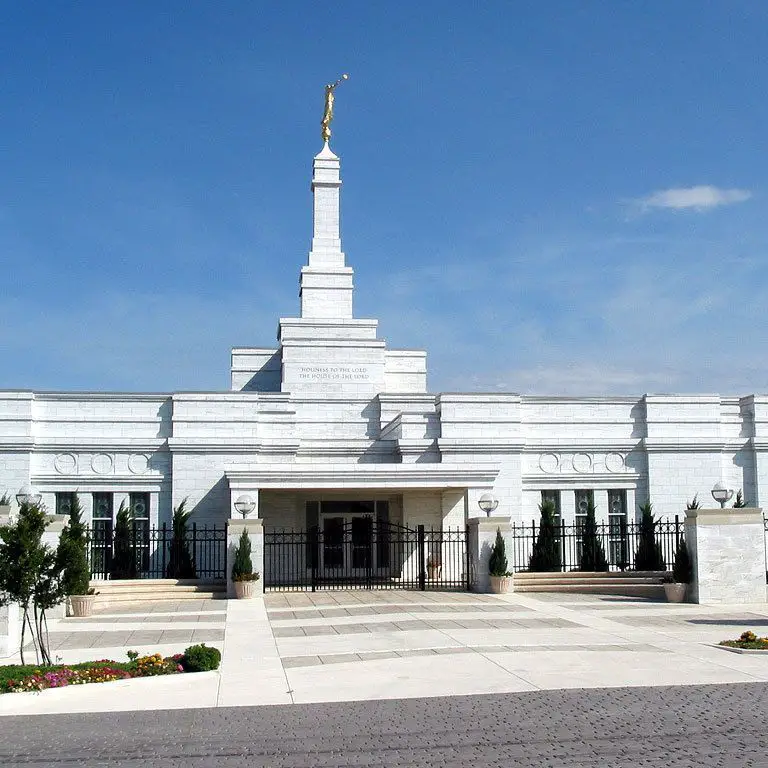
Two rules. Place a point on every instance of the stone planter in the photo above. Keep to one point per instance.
(81, 605)
(5, 513)
(501, 584)
(675, 592)
(245, 590)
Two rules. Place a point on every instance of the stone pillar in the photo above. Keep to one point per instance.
(255, 529)
(482, 535)
(728, 553)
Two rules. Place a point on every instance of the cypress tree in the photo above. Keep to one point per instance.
(72, 553)
(497, 563)
(124, 556)
(546, 550)
(682, 570)
(181, 564)
(242, 567)
(649, 556)
(592, 552)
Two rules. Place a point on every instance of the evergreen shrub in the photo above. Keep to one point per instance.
(200, 658)
(546, 550)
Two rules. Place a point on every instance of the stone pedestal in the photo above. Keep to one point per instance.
(727, 547)
(482, 535)
(255, 528)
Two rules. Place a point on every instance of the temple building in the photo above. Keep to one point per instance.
(329, 427)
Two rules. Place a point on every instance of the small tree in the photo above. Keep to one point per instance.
(181, 564)
(497, 563)
(124, 557)
(72, 553)
(30, 576)
(242, 567)
(592, 553)
(649, 556)
(682, 571)
(739, 503)
(546, 550)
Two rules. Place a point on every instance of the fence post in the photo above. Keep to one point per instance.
(314, 544)
(163, 541)
(563, 546)
(420, 558)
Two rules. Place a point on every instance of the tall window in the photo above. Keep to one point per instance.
(617, 519)
(139, 505)
(64, 502)
(554, 497)
(583, 500)
(101, 535)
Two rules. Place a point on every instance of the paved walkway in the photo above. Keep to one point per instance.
(356, 645)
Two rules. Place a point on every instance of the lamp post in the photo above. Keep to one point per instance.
(721, 494)
(245, 505)
(488, 503)
(27, 496)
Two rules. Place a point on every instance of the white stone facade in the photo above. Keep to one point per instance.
(331, 413)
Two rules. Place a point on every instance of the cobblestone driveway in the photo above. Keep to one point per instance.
(690, 727)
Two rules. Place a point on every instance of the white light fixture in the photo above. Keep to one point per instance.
(27, 496)
(488, 503)
(721, 494)
(245, 505)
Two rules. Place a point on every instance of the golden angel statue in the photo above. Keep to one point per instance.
(328, 113)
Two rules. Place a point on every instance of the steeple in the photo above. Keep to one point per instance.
(326, 282)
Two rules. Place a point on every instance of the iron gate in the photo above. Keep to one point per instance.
(365, 553)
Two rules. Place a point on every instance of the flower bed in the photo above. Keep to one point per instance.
(748, 641)
(16, 678)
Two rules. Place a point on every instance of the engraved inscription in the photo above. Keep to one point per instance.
(334, 373)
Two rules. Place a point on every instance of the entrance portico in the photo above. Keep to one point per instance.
(378, 525)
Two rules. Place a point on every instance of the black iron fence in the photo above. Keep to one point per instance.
(155, 553)
(365, 553)
(619, 540)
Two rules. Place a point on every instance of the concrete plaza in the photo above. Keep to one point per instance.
(364, 645)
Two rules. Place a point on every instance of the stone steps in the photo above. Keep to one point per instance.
(628, 584)
(155, 590)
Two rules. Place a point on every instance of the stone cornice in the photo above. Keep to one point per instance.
(46, 482)
(502, 445)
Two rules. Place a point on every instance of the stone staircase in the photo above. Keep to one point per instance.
(625, 584)
(142, 591)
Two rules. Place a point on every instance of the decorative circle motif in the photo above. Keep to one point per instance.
(138, 463)
(582, 462)
(102, 463)
(549, 462)
(65, 464)
(614, 462)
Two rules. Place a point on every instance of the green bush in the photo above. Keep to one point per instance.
(497, 563)
(242, 568)
(683, 568)
(592, 552)
(649, 555)
(200, 658)
(72, 553)
(546, 550)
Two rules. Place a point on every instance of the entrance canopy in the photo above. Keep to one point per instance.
(285, 476)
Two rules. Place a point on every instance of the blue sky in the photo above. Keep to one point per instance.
(548, 197)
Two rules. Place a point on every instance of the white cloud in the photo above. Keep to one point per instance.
(699, 198)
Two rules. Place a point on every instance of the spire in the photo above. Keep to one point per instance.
(326, 282)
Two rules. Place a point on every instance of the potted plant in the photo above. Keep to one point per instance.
(501, 578)
(5, 505)
(243, 577)
(676, 583)
(433, 568)
(72, 558)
